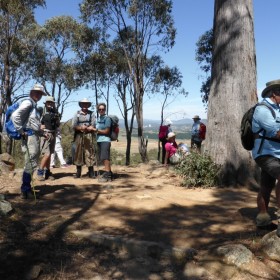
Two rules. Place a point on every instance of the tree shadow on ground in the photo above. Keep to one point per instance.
(41, 233)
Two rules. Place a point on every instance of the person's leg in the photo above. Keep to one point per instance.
(31, 150)
(53, 159)
(89, 155)
(277, 213)
(61, 159)
(270, 170)
(105, 158)
(163, 151)
(49, 151)
(266, 185)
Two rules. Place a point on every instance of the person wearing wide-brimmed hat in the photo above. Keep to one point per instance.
(50, 121)
(27, 118)
(84, 123)
(266, 152)
(197, 134)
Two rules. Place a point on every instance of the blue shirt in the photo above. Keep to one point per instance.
(195, 131)
(263, 119)
(103, 122)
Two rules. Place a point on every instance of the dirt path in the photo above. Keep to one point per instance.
(143, 203)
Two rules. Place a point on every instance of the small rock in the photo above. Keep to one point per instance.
(236, 254)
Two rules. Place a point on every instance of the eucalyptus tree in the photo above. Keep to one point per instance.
(17, 29)
(123, 85)
(58, 65)
(233, 87)
(203, 55)
(153, 31)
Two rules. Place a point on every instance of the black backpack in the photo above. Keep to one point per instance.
(246, 133)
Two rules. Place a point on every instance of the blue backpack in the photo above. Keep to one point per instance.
(9, 125)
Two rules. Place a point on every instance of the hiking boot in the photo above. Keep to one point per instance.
(49, 175)
(29, 195)
(79, 172)
(40, 175)
(91, 172)
(263, 219)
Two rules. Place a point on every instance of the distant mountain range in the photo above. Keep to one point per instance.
(156, 123)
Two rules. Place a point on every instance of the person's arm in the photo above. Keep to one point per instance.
(21, 115)
(105, 131)
(263, 119)
(92, 127)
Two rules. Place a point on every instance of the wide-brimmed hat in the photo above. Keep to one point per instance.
(84, 100)
(39, 88)
(168, 122)
(269, 86)
(196, 117)
(170, 135)
(49, 99)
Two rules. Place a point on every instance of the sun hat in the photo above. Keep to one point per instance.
(49, 99)
(84, 100)
(196, 117)
(170, 135)
(168, 122)
(270, 85)
(39, 88)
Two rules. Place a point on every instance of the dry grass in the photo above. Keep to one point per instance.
(120, 146)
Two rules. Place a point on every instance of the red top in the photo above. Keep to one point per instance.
(171, 148)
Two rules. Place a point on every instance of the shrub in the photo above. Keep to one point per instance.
(198, 170)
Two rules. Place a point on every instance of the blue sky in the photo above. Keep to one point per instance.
(192, 19)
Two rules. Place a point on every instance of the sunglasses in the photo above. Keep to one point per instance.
(101, 109)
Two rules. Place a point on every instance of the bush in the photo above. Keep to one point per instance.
(198, 170)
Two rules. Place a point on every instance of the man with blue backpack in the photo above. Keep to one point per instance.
(266, 151)
(26, 120)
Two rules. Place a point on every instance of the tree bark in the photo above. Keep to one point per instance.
(233, 88)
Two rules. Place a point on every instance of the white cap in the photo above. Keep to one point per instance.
(168, 122)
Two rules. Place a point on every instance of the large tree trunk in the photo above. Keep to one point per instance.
(233, 88)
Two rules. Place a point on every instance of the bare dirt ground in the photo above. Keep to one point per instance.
(38, 239)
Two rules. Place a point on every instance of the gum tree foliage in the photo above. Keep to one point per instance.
(233, 88)
(58, 65)
(17, 46)
(203, 55)
(123, 85)
(167, 81)
(154, 31)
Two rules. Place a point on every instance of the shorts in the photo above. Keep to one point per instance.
(104, 150)
(48, 145)
(270, 167)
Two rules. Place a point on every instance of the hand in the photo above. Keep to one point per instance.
(24, 135)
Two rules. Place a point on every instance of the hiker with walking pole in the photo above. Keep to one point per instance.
(27, 118)
(83, 124)
(50, 121)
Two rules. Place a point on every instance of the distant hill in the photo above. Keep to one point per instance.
(155, 123)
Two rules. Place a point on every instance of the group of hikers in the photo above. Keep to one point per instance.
(173, 153)
(39, 132)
